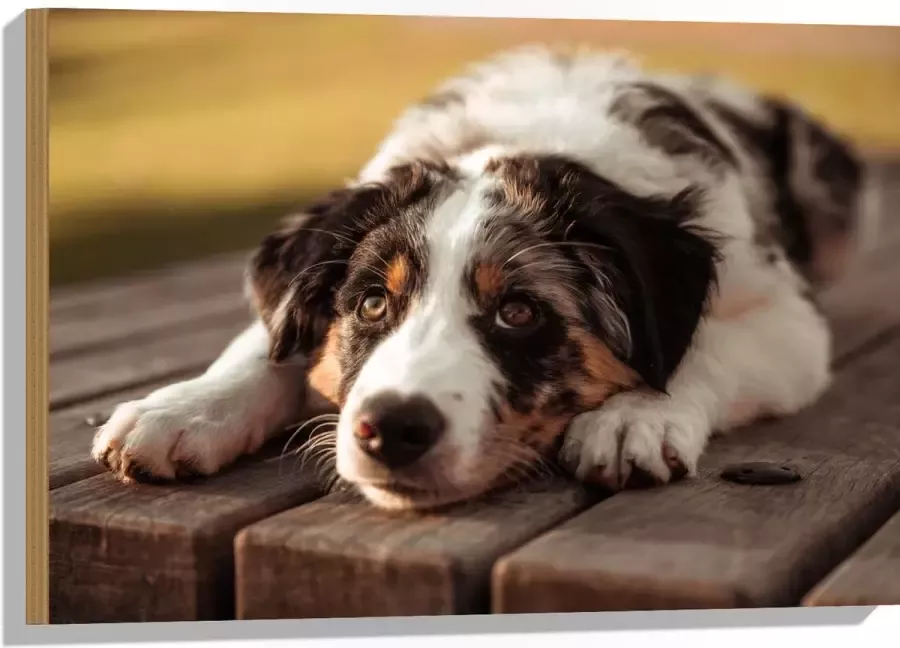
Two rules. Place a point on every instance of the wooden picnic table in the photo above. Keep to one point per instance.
(261, 540)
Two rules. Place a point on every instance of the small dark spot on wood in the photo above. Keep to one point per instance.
(760, 473)
(96, 420)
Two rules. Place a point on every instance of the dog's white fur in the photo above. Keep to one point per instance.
(762, 350)
(434, 352)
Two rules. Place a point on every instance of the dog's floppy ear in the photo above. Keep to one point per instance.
(292, 276)
(660, 268)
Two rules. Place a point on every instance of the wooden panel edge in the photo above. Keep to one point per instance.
(37, 609)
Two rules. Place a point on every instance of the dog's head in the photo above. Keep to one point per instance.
(460, 322)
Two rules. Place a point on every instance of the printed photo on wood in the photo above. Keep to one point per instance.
(377, 316)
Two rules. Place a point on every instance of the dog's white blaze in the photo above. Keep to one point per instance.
(434, 352)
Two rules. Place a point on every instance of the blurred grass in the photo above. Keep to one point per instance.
(179, 134)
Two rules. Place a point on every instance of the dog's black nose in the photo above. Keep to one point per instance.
(396, 430)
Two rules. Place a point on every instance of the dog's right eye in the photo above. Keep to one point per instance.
(373, 307)
(517, 313)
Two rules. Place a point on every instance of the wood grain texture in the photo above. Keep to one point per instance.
(871, 576)
(158, 553)
(859, 308)
(149, 321)
(709, 543)
(79, 378)
(337, 557)
(176, 282)
(36, 286)
(126, 311)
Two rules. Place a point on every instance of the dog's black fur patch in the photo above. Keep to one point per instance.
(667, 122)
(310, 256)
(660, 267)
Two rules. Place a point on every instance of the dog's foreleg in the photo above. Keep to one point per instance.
(201, 425)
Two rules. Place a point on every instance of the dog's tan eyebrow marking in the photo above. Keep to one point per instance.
(397, 275)
(488, 280)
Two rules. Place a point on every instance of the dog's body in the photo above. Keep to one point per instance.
(553, 248)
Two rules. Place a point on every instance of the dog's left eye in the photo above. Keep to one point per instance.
(516, 313)
(373, 307)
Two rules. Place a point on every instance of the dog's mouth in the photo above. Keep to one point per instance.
(405, 496)
(398, 488)
(440, 482)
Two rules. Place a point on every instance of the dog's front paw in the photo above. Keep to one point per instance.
(635, 440)
(177, 433)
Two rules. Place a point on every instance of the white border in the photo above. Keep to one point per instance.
(731, 629)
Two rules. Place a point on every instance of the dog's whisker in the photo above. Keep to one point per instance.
(303, 426)
(325, 468)
(312, 442)
(320, 417)
(524, 461)
(375, 271)
(317, 443)
(545, 266)
(340, 237)
(297, 276)
(313, 453)
(555, 244)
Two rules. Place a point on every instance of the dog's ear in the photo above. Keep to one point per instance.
(645, 251)
(294, 273)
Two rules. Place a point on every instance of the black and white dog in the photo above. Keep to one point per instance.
(556, 255)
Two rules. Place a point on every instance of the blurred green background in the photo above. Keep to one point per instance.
(175, 135)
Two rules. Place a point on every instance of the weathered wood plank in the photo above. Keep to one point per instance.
(860, 308)
(124, 311)
(865, 304)
(79, 378)
(342, 558)
(167, 318)
(709, 543)
(871, 576)
(177, 282)
(159, 553)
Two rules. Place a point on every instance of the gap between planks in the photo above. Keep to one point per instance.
(870, 576)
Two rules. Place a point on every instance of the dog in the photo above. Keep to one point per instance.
(557, 256)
